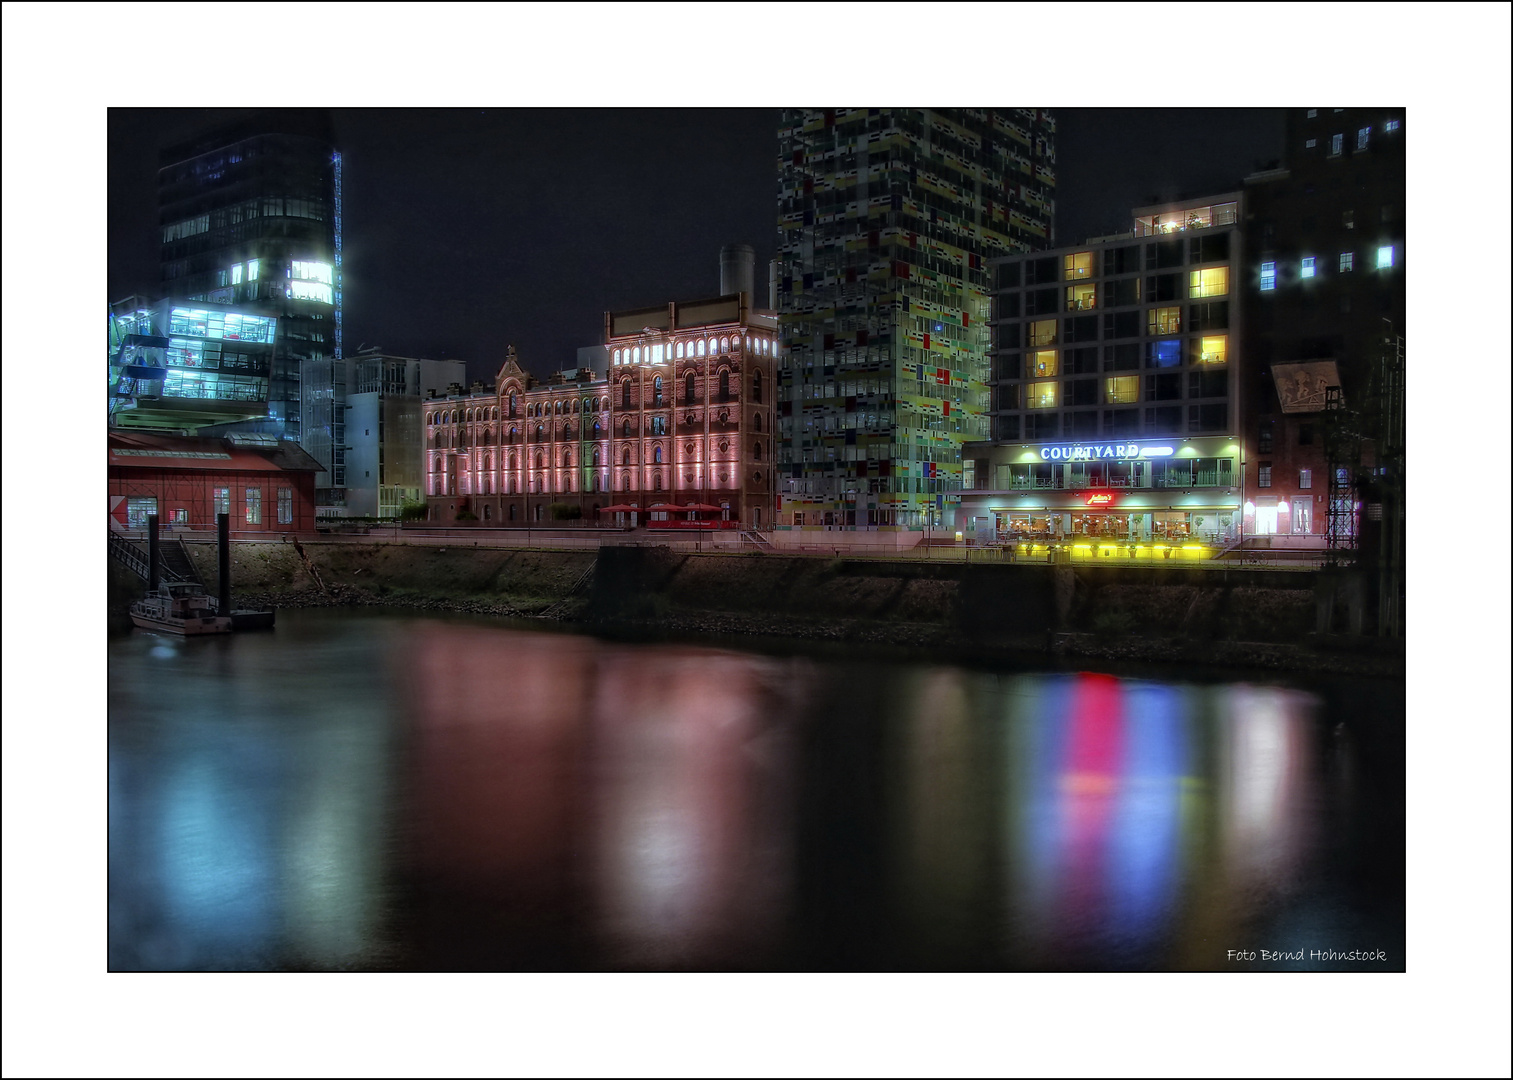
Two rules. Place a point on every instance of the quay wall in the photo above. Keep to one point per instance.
(1197, 615)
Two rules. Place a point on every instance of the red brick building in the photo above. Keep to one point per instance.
(263, 483)
(680, 430)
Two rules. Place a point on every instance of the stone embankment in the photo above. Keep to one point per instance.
(1192, 617)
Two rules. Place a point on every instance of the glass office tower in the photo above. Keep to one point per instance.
(250, 215)
(886, 220)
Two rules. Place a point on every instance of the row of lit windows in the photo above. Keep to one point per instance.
(660, 353)
(1308, 266)
(439, 461)
(1117, 390)
(228, 325)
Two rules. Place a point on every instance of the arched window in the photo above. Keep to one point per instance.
(625, 481)
(625, 457)
(540, 432)
(724, 384)
(540, 461)
(701, 346)
(688, 388)
(513, 402)
(656, 390)
(756, 452)
(626, 429)
(625, 394)
(678, 350)
(756, 387)
(567, 459)
(494, 413)
(617, 356)
(635, 354)
(596, 429)
(596, 455)
(724, 344)
(656, 454)
(512, 460)
(757, 422)
(514, 434)
(657, 483)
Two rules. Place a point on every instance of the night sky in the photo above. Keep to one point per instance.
(466, 230)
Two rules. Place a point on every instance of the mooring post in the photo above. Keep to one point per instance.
(223, 565)
(152, 554)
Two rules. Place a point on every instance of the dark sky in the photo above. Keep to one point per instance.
(466, 230)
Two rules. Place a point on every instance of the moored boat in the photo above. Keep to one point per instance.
(179, 607)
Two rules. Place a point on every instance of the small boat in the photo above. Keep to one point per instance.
(180, 607)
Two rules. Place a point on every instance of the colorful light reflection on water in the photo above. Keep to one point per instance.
(382, 792)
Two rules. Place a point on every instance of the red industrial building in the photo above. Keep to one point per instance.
(265, 484)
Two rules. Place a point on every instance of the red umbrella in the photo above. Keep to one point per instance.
(620, 509)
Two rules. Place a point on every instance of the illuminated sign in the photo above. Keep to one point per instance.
(1089, 453)
(1099, 500)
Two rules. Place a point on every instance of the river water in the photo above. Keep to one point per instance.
(372, 791)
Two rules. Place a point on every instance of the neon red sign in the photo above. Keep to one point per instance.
(1099, 500)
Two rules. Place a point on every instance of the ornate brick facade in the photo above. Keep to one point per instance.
(684, 419)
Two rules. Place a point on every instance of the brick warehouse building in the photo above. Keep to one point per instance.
(265, 484)
(682, 420)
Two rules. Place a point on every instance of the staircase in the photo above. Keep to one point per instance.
(758, 541)
(173, 560)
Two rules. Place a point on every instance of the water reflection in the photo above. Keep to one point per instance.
(443, 795)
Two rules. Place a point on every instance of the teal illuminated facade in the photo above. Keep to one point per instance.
(176, 366)
(886, 220)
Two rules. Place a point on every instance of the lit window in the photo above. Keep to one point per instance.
(1268, 276)
(1384, 257)
(1081, 297)
(1336, 144)
(311, 271)
(310, 290)
(222, 501)
(1123, 389)
(678, 350)
(1305, 479)
(1078, 265)
(1263, 476)
(1391, 125)
(1362, 137)
(236, 274)
(1311, 143)
(1347, 261)
(1043, 332)
(1164, 320)
(635, 355)
(1211, 282)
(285, 506)
(1043, 363)
(701, 347)
(1312, 113)
(1347, 219)
(1308, 267)
(254, 506)
(1214, 349)
(252, 267)
(1040, 395)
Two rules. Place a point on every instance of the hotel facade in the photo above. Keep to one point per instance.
(1115, 404)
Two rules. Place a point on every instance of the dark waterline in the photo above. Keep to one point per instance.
(372, 791)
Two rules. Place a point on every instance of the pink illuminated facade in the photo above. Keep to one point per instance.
(678, 432)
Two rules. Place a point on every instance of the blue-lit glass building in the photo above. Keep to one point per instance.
(250, 217)
(176, 366)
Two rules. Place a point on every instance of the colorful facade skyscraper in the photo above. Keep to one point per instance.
(250, 215)
(886, 220)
